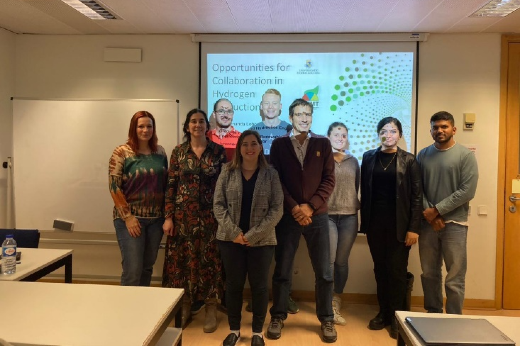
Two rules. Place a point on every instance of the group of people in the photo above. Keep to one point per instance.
(227, 210)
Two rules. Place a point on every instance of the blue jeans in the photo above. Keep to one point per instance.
(251, 261)
(288, 234)
(342, 232)
(138, 255)
(449, 244)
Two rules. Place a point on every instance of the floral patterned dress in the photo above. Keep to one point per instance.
(191, 259)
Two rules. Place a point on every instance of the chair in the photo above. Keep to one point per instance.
(28, 238)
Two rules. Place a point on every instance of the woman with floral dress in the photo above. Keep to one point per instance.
(192, 260)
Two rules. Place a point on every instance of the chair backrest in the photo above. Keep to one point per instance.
(29, 238)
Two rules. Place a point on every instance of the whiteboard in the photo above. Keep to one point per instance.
(61, 150)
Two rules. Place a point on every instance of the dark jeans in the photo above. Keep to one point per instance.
(288, 234)
(390, 267)
(254, 262)
(138, 254)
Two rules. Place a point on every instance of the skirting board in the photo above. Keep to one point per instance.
(349, 298)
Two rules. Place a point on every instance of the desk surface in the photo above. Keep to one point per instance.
(33, 260)
(508, 325)
(80, 314)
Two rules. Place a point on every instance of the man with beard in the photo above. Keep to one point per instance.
(449, 175)
(224, 133)
(272, 126)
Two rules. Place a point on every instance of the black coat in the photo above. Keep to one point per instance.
(408, 197)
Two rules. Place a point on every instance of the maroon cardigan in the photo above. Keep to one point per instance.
(315, 182)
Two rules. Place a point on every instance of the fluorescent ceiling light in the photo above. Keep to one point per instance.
(90, 9)
(497, 8)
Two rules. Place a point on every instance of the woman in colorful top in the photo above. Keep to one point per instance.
(343, 208)
(391, 212)
(137, 181)
(192, 260)
(248, 204)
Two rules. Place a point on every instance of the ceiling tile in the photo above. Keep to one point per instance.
(255, 16)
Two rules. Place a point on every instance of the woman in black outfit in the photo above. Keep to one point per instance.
(391, 209)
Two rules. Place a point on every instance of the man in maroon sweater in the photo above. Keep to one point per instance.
(305, 164)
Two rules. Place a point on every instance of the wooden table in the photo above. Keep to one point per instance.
(96, 315)
(36, 263)
(508, 325)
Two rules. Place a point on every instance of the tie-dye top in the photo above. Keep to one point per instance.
(137, 182)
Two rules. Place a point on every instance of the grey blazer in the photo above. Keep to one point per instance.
(266, 208)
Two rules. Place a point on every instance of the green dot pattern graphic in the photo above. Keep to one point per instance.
(373, 86)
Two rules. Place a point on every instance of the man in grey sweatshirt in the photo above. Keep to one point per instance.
(449, 174)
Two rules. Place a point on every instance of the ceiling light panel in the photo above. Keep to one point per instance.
(90, 9)
(497, 8)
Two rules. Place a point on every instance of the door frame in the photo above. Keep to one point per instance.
(502, 146)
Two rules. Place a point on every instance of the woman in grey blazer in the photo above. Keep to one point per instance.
(248, 203)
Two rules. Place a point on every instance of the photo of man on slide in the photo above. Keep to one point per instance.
(224, 133)
(272, 126)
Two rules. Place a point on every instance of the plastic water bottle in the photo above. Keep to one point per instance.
(9, 255)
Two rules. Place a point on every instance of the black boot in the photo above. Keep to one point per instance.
(378, 322)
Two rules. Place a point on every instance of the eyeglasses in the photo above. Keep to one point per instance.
(225, 111)
(302, 114)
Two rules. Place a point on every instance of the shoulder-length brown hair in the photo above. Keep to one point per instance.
(236, 163)
(133, 142)
(186, 126)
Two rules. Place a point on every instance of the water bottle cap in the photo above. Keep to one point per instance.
(9, 236)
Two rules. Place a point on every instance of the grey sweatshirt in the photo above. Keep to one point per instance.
(449, 180)
(344, 199)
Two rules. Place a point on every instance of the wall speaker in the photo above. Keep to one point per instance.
(63, 225)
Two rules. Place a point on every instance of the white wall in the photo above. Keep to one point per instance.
(457, 73)
(7, 67)
(461, 74)
(73, 67)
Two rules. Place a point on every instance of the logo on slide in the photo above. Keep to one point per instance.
(311, 95)
(309, 69)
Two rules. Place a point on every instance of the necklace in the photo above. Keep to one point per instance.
(389, 163)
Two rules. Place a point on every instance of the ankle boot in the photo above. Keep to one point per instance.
(186, 310)
(336, 307)
(336, 301)
(210, 323)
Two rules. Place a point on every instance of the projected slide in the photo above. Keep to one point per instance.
(357, 88)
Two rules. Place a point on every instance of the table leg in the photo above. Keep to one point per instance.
(178, 320)
(68, 269)
(402, 338)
